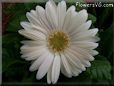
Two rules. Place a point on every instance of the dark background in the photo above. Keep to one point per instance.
(15, 70)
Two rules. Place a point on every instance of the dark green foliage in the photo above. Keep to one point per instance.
(107, 41)
(15, 69)
(100, 69)
(92, 17)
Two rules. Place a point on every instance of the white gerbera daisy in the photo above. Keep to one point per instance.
(60, 40)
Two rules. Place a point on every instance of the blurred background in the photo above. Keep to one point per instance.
(16, 70)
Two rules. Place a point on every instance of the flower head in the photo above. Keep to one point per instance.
(60, 40)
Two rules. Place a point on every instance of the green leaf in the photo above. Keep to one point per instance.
(100, 69)
(15, 72)
(15, 8)
(8, 58)
(18, 13)
(105, 13)
(29, 6)
(83, 77)
(112, 81)
(10, 38)
(29, 77)
(14, 24)
(106, 43)
(12, 65)
(11, 49)
(92, 17)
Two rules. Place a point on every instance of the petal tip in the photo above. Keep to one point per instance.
(90, 21)
(38, 77)
(19, 31)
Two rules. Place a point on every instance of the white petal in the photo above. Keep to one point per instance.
(32, 19)
(33, 43)
(78, 19)
(49, 80)
(83, 27)
(40, 29)
(87, 63)
(43, 69)
(83, 53)
(72, 58)
(63, 71)
(39, 17)
(71, 8)
(35, 55)
(53, 3)
(32, 34)
(33, 12)
(25, 25)
(28, 26)
(32, 51)
(29, 49)
(66, 65)
(93, 31)
(86, 39)
(75, 71)
(89, 33)
(67, 20)
(61, 10)
(56, 69)
(51, 14)
(94, 52)
(84, 61)
(26, 47)
(87, 45)
(95, 39)
(35, 65)
(42, 18)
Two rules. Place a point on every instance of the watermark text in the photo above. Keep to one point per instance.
(96, 4)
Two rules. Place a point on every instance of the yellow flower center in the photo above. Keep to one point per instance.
(58, 41)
